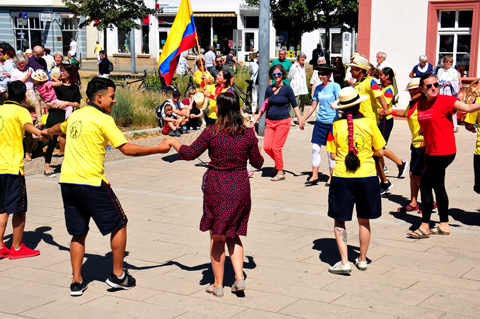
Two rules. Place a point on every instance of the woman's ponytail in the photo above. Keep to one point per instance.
(352, 162)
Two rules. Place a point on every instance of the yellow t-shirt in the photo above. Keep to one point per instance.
(88, 130)
(366, 136)
(388, 94)
(369, 86)
(213, 103)
(474, 118)
(12, 119)
(98, 48)
(412, 119)
(197, 79)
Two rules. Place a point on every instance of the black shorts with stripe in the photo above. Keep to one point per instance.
(82, 202)
(13, 194)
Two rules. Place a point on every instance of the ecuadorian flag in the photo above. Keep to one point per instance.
(182, 36)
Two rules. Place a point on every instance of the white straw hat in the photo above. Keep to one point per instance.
(347, 97)
(413, 84)
(360, 62)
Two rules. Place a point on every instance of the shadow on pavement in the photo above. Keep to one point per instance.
(171, 158)
(466, 218)
(329, 252)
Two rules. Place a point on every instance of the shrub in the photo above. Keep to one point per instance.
(122, 110)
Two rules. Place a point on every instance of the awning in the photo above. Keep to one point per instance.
(214, 15)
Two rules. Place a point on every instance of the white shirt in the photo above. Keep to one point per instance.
(73, 45)
(209, 58)
(298, 79)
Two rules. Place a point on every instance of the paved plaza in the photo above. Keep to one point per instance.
(288, 250)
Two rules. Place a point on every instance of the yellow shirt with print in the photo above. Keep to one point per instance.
(366, 136)
(474, 118)
(388, 94)
(12, 119)
(88, 131)
(417, 139)
(369, 107)
(213, 103)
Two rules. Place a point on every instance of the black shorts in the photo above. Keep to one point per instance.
(386, 127)
(476, 170)
(418, 160)
(364, 192)
(13, 194)
(100, 203)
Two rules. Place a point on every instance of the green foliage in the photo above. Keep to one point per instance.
(122, 110)
(308, 15)
(110, 13)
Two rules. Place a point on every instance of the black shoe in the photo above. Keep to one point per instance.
(402, 169)
(50, 174)
(77, 288)
(171, 133)
(311, 183)
(385, 187)
(128, 282)
(178, 134)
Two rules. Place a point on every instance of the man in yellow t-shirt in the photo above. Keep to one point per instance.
(14, 121)
(371, 108)
(85, 190)
(98, 48)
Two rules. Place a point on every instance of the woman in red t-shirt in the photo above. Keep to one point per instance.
(435, 112)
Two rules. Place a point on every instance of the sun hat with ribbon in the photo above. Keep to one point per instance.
(200, 100)
(360, 62)
(347, 97)
(413, 84)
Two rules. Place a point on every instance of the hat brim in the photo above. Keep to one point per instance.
(366, 68)
(411, 88)
(337, 106)
(323, 67)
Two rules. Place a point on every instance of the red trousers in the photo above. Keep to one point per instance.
(276, 133)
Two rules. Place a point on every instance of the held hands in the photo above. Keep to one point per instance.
(44, 135)
(301, 124)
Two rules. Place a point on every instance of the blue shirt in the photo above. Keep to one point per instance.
(418, 74)
(278, 104)
(324, 96)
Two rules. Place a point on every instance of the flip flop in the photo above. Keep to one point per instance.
(278, 177)
(418, 234)
(438, 231)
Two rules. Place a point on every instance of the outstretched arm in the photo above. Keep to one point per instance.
(138, 150)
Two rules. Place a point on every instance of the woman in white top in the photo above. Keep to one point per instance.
(298, 82)
(450, 82)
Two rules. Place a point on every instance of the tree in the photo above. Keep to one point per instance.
(307, 15)
(109, 13)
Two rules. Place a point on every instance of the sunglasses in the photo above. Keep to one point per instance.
(322, 73)
(220, 61)
(429, 86)
(277, 74)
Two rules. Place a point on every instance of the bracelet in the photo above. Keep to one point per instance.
(393, 112)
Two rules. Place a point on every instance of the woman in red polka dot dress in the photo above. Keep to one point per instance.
(226, 188)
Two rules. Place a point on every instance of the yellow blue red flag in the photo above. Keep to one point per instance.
(182, 36)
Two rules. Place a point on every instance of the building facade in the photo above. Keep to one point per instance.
(406, 29)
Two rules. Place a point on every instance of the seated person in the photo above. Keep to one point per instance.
(171, 123)
(179, 109)
(196, 113)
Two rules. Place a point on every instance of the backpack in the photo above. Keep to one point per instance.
(158, 112)
(110, 66)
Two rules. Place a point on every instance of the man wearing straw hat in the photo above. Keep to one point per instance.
(373, 107)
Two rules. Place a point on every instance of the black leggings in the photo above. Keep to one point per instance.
(50, 148)
(434, 179)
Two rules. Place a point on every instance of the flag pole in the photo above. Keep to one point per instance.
(200, 56)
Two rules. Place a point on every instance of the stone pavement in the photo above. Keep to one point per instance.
(288, 250)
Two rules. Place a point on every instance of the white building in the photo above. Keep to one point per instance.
(405, 29)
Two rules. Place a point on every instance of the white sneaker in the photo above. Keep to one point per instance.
(340, 269)
(361, 265)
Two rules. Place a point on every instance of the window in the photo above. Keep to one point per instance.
(123, 41)
(455, 37)
(28, 33)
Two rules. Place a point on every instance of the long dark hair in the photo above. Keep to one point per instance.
(229, 116)
(389, 71)
(72, 73)
(352, 162)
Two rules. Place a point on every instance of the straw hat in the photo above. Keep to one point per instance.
(29, 51)
(347, 97)
(200, 100)
(40, 76)
(413, 84)
(360, 62)
(55, 72)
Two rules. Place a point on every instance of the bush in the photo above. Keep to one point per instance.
(122, 110)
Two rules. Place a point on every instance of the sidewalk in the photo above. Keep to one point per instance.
(288, 250)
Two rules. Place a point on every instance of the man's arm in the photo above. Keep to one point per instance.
(137, 150)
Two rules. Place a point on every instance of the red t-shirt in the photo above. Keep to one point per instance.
(437, 126)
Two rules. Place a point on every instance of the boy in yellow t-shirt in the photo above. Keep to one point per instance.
(352, 142)
(85, 190)
(14, 121)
